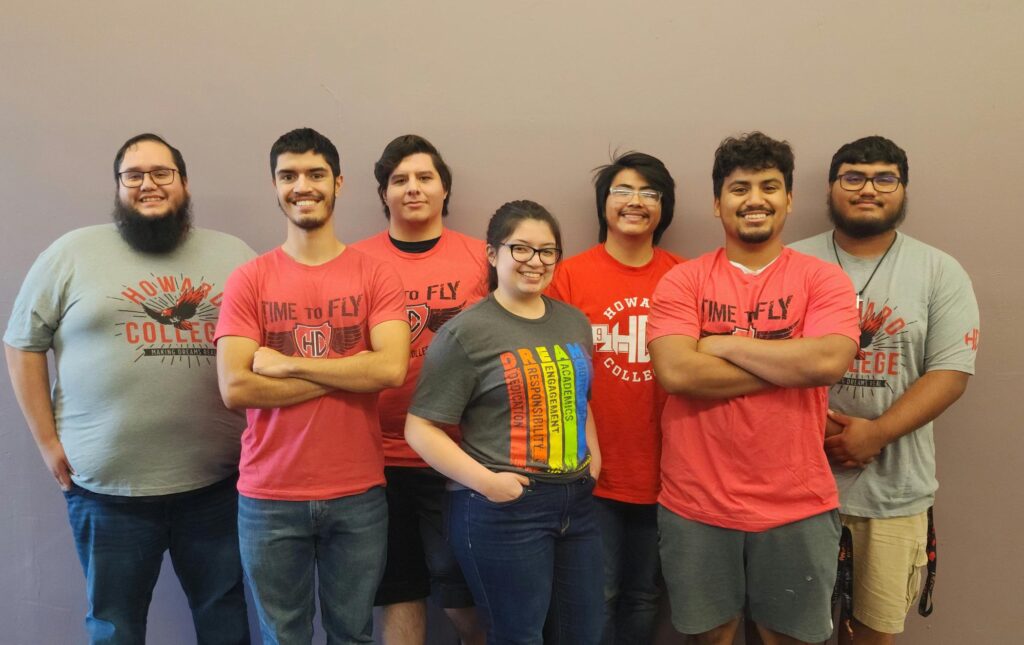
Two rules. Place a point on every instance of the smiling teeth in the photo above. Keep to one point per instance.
(755, 217)
(305, 202)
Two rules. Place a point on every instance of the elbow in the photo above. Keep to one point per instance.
(676, 383)
(233, 396)
(394, 375)
(829, 371)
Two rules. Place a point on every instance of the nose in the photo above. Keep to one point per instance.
(412, 186)
(755, 197)
(301, 183)
(634, 197)
(147, 182)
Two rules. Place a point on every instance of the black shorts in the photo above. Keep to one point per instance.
(420, 561)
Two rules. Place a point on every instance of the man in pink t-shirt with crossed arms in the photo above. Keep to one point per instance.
(745, 340)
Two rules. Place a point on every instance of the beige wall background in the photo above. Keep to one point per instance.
(523, 99)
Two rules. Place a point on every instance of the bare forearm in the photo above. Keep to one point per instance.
(680, 369)
(444, 455)
(30, 378)
(366, 372)
(924, 401)
(795, 362)
(593, 445)
(248, 390)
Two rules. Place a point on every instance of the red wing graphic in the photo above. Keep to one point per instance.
(185, 308)
(282, 341)
(751, 332)
(439, 317)
(345, 338)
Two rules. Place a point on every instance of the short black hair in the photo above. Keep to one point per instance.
(303, 140)
(179, 161)
(873, 149)
(400, 148)
(752, 151)
(504, 222)
(652, 170)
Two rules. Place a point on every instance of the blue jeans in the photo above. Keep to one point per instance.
(343, 540)
(121, 543)
(520, 558)
(632, 569)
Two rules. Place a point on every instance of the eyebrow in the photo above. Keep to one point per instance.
(151, 168)
(628, 185)
(525, 243)
(301, 170)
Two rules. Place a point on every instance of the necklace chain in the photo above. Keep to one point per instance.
(835, 251)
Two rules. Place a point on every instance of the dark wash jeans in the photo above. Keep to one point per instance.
(538, 552)
(121, 543)
(632, 570)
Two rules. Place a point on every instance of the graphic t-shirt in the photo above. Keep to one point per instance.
(135, 396)
(627, 401)
(439, 284)
(752, 462)
(517, 387)
(329, 446)
(918, 314)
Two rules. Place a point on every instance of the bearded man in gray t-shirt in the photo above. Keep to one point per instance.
(135, 433)
(919, 337)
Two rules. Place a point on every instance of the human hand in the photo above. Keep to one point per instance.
(57, 463)
(269, 362)
(858, 442)
(505, 487)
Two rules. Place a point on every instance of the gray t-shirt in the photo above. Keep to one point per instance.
(918, 314)
(135, 395)
(517, 387)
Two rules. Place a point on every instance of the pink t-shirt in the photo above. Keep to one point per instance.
(439, 284)
(627, 401)
(329, 446)
(753, 462)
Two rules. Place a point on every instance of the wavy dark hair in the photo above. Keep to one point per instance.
(873, 149)
(400, 148)
(504, 222)
(752, 151)
(648, 167)
(303, 140)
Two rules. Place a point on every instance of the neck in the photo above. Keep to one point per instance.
(314, 247)
(416, 231)
(531, 307)
(752, 256)
(631, 251)
(864, 247)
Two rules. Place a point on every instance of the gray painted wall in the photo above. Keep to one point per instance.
(524, 99)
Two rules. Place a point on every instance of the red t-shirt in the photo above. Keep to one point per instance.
(753, 462)
(439, 284)
(626, 400)
(330, 446)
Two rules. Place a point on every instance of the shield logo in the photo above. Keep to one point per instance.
(313, 341)
(418, 315)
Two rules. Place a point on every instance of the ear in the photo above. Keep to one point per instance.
(718, 208)
(789, 200)
(338, 181)
(492, 256)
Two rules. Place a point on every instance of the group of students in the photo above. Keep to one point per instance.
(560, 436)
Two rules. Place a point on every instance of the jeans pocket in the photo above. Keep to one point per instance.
(483, 498)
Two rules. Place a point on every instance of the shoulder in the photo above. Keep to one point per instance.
(221, 243)
(566, 312)
(454, 237)
(816, 245)
(920, 252)
(371, 244)
(809, 265)
(663, 257)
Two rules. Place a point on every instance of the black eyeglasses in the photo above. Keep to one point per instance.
(134, 178)
(522, 253)
(854, 181)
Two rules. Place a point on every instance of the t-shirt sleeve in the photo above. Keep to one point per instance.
(674, 306)
(39, 306)
(387, 296)
(447, 381)
(831, 303)
(239, 311)
(953, 321)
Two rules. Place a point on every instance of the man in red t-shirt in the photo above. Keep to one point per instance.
(746, 340)
(612, 283)
(308, 334)
(443, 272)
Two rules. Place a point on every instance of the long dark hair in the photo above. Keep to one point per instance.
(504, 222)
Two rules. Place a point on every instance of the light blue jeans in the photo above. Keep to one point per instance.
(342, 540)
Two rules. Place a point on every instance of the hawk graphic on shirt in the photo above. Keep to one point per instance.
(421, 317)
(751, 332)
(184, 309)
(315, 341)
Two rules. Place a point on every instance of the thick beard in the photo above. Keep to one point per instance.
(160, 234)
(860, 230)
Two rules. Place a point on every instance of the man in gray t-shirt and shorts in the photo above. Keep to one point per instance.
(919, 337)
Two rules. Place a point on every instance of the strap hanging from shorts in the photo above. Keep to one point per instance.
(925, 606)
(843, 591)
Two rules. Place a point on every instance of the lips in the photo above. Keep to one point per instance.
(755, 215)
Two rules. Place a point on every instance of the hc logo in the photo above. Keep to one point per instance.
(971, 339)
(633, 343)
(313, 341)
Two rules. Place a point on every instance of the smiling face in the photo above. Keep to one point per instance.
(633, 216)
(306, 189)
(149, 199)
(522, 281)
(415, 193)
(866, 212)
(753, 205)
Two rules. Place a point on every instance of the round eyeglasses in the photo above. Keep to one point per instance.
(134, 178)
(522, 253)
